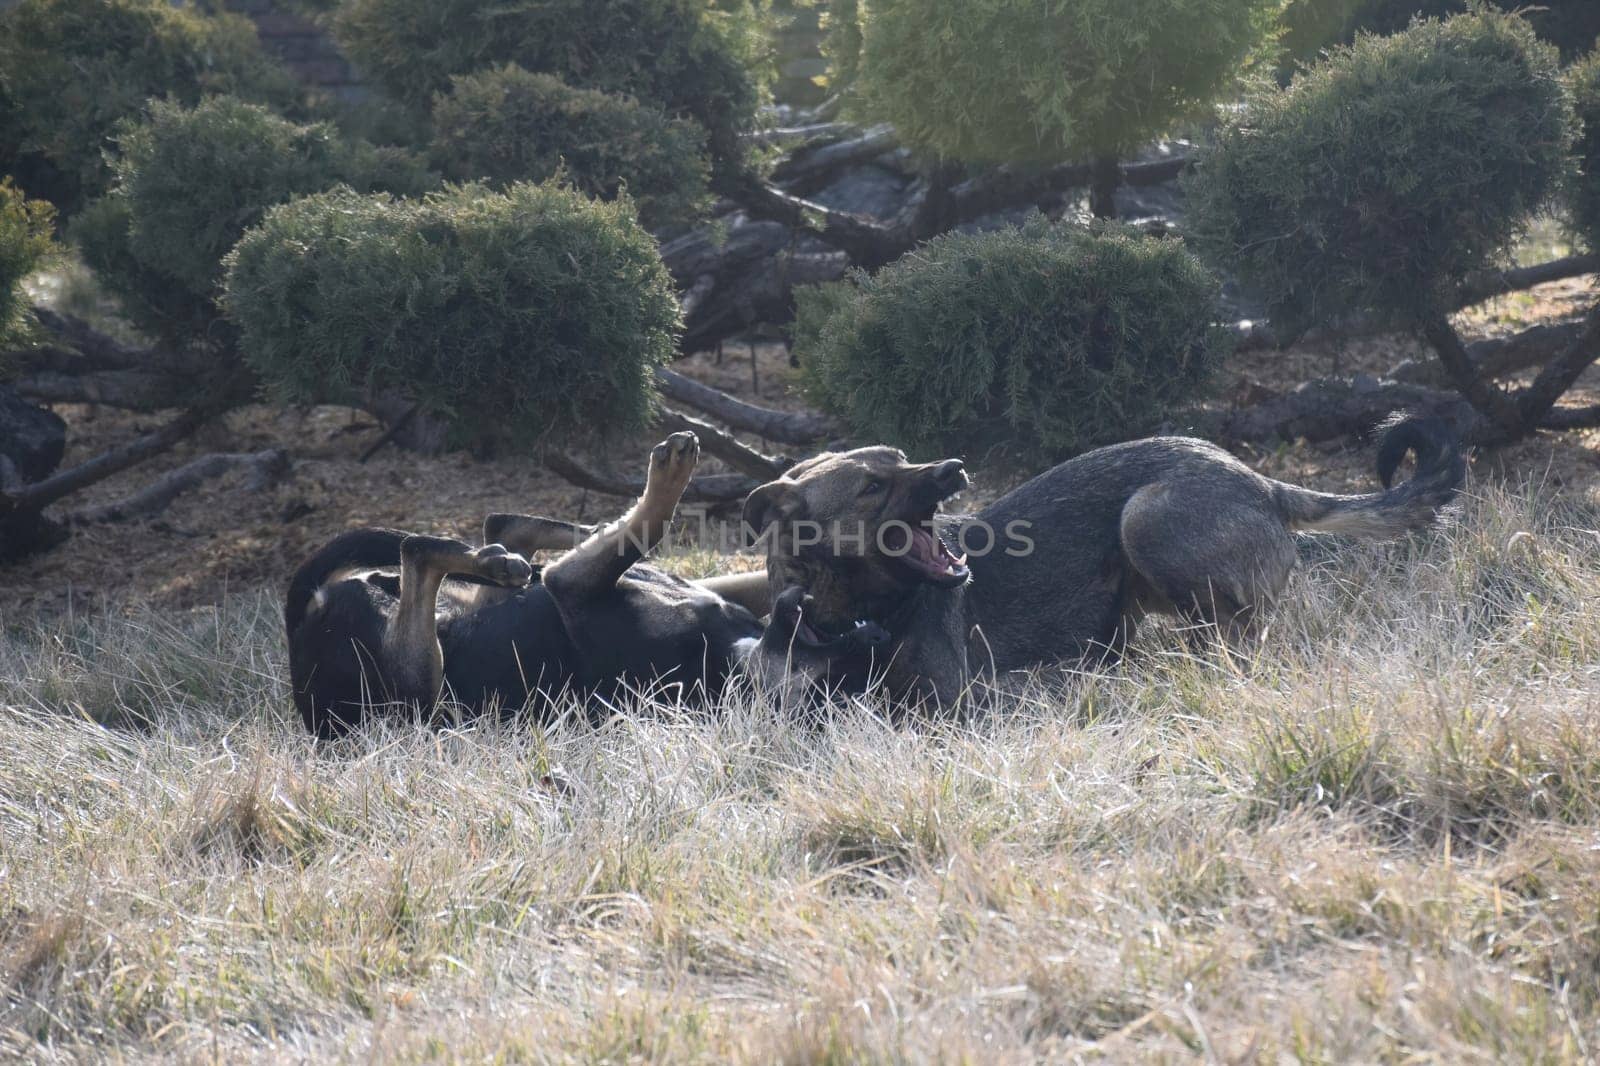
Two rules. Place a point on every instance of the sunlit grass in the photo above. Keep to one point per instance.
(1373, 837)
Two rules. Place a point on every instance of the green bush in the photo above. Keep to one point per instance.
(1311, 25)
(1040, 341)
(190, 181)
(692, 58)
(1584, 79)
(25, 228)
(1042, 81)
(70, 70)
(1381, 177)
(506, 124)
(513, 315)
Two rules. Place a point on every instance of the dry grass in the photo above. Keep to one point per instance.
(1374, 838)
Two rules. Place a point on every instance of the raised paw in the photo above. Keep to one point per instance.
(496, 564)
(672, 463)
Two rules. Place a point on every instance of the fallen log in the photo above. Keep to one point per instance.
(41, 494)
(1495, 357)
(264, 468)
(706, 488)
(1487, 286)
(130, 390)
(1326, 409)
(787, 427)
(810, 169)
(724, 446)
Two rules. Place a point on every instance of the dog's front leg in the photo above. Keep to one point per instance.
(597, 563)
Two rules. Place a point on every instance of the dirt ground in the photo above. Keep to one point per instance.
(224, 538)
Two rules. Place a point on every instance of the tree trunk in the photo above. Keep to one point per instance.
(1105, 178)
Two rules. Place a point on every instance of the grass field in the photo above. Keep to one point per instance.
(1375, 837)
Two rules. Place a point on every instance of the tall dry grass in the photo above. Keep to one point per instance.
(1375, 837)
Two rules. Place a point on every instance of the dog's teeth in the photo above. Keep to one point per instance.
(961, 560)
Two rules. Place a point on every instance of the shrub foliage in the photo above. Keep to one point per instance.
(507, 124)
(1571, 25)
(692, 58)
(1585, 81)
(25, 228)
(190, 181)
(70, 70)
(992, 81)
(1381, 177)
(514, 315)
(1041, 341)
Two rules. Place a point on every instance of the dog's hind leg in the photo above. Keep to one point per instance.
(1218, 559)
(412, 660)
(597, 563)
(526, 534)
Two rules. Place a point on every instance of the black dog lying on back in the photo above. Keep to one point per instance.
(495, 631)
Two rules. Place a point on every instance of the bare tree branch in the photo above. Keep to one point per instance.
(1558, 375)
(265, 467)
(788, 427)
(132, 390)
(710, 488)
(1495, 403)
(1496, 357)
(1564, 418)
(806, 169)
(1327, 409)
(725, 446)
(1487, 286)
(41, 494)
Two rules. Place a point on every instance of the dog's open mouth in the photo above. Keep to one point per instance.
(861, 632)
(933, 560)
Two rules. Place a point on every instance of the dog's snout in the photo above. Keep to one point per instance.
(952, 473)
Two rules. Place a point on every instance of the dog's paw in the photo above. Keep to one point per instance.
(502, 567)
(672, 463)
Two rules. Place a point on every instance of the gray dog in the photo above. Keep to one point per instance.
(1064, 566)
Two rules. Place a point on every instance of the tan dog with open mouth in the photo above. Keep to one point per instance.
(1064, 566)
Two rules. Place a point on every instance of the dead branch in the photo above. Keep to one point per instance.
(1564, 418)
(725, 446)
(1496, 357)
(868, 243)
(41, 494)
(1327, 409)
(1487, 286)
(132, 390)
(264, 467)
(812, 133)
(694, 297)
(1491, 400)
(788, 427)
(1558, 375)
(808, 169)
(104, 352)
(395, 429)
(708, 488)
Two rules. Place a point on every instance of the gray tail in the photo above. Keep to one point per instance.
(1441, 468)
(359, 547)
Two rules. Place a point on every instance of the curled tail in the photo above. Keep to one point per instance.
(357, 548)
(1441, 468)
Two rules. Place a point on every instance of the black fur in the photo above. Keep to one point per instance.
(514, 654)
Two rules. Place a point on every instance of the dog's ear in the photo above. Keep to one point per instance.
(771, 504)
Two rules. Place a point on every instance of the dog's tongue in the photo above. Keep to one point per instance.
(930, 553)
